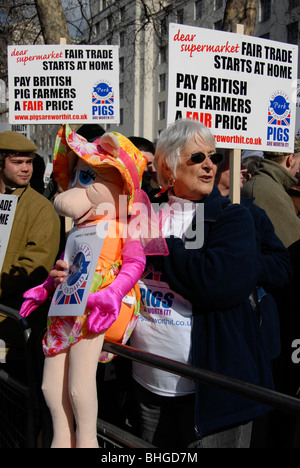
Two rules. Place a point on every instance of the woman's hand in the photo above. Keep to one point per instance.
(59, 272)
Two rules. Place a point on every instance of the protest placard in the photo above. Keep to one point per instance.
(8, 204)
(54, 84)
(241, 87)
(24, 129)
(81, 254)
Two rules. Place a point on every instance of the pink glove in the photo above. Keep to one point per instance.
(36, 296)
(105, 305)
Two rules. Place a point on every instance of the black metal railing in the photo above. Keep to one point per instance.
(253, 392)
(28, 392)
(19, 401)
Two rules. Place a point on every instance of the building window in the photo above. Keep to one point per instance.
(122, 14)
(2, 93)
(198, 9)
(97, 29)
(122, 39)
(218, 25)
(109, 23)
(180, 16)
(218, 4)
(162, 55)
(292, 33)
(162, 110)
(122, 64)
(162, 82)
(265, 36)
(265, 10)
(121, 90)
(294, 4)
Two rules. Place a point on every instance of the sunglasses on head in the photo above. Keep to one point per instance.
(215, 158)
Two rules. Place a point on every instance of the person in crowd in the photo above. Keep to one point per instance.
(294, 193)
(269, 188)
(90, 132)
(149, 183)
(37, 178)
(33, 242)
(250, 164)
(276, 270)
(223, 174)
(34, 238)
(251, 160)
(252, 154)
(276, 174)
(196, 303)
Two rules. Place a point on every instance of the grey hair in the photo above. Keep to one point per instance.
(172, 142)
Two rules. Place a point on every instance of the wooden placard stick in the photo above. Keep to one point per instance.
(235, 159)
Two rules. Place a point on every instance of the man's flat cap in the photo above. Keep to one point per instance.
(14, 141)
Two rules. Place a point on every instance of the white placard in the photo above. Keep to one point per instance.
(24, 129)
(54, 84)
(242, 87)
(82, 252)
(8, 204)
(48, 173)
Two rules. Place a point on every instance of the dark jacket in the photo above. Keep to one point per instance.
(32, 246)
(218, 279)
(269, 187)
(275, 273)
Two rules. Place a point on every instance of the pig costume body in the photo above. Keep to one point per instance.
(93, 177)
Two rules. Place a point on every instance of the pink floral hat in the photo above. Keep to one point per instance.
(122, 155)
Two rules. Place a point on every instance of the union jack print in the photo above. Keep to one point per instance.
(284, 122)
(97, 100)
(75, 298)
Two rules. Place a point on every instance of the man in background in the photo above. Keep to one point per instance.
(269, 188)
(34, 238)
(33, 243)
(149, 182)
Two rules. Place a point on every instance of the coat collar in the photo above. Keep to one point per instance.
(278, 173)
(18, 192)
(214, 204)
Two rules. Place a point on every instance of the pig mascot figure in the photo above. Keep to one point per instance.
(96, 178)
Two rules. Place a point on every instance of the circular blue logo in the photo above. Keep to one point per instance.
(103, 90)
(279, 106)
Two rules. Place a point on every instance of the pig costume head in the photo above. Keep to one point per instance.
(95, 173)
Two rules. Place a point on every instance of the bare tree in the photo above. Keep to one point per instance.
(240, 12)
(52, 20)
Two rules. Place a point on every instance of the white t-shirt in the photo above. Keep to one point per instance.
(165, 323)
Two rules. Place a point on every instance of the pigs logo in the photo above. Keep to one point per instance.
(103, 93)
(279, 110)
(72, 289)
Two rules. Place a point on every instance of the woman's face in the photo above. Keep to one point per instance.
(195, 181)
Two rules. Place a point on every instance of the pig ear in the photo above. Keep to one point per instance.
(110, 143)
